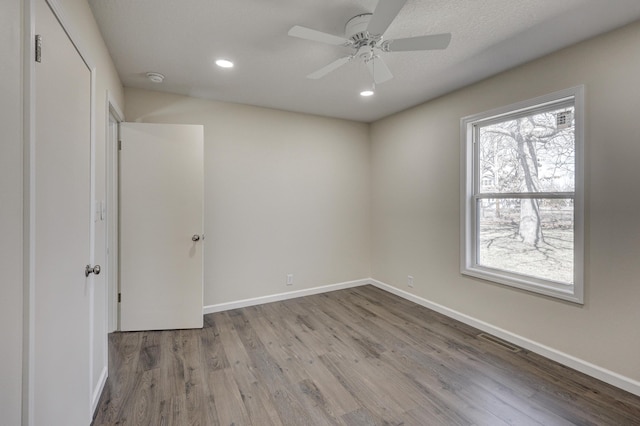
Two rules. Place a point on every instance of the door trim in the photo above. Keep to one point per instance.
(113, 235)
(29, 205)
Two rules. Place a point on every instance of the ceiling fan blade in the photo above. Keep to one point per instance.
(385, 13)
(379, 70)
(428, 42)
(331, 67)
(313, 35)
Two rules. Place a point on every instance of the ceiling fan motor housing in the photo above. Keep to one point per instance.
(356, 30)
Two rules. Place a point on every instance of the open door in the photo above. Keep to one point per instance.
(161, 226)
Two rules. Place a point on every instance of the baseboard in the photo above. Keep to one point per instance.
(209, 309)
(97, 392)
(578, 364)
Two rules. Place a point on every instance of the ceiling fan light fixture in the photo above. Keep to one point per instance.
(369, 91)
(224, 63)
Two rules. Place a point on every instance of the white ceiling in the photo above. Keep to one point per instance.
(182, 38)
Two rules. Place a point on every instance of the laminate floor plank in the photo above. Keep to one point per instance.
(534, 370)
(124, 353)
(255, 394)
(171, 387)
(299, 365)
(376, 399)
(307, 331)
(259, 402)
(359, 356)
(143, 411)
(448, 370)
(468, 342)
(463, 353)
(228, 399)
(576, 392)
(284, 394)
(489, 405)
(362, 417)
(213, 353)
(562, 388)
(346, 333)
(428, 416)
(289, 402)
(443, 391)
(196, 392)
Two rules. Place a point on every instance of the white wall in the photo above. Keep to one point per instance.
(284, 193)
(10, 211)
(416, 204)
(80, 17)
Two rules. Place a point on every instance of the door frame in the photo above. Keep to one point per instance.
(29, 206)
(112, 269)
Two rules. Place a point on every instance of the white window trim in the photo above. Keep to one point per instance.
(468, 266)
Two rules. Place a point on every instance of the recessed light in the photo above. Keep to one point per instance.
(366, 93)
(224, 63)
(155, 77)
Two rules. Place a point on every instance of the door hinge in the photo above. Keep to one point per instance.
(38, 48)
(119, 145)
(119, 297)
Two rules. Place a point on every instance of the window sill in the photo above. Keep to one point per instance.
(547, 288)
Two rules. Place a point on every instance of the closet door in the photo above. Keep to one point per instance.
(60, 335)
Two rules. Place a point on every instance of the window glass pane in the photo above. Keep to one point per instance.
(532, 237)
(533, 153)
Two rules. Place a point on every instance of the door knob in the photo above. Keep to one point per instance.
(195, 237)
(89, 270)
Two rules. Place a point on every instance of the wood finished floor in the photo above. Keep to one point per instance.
(359, 356)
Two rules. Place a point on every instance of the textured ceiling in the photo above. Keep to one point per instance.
(181, 39)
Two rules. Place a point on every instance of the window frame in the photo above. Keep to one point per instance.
(470, 182)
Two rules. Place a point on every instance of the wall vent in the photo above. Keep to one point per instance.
(502, 343)
(564, 119)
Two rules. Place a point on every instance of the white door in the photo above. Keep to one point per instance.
(61, 231)
(161, 208)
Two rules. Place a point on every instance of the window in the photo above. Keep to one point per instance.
(522, 195)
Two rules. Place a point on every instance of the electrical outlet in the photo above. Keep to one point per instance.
(289, 279)
(410, 281)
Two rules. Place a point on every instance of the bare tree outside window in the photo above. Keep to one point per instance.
(526, 168)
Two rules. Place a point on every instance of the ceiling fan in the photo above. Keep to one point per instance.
(364, 33)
